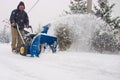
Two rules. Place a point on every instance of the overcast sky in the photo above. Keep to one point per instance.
(44, 12)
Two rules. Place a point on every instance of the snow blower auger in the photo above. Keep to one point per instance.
(34, 43)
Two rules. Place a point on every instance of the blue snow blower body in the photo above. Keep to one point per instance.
(38, 42)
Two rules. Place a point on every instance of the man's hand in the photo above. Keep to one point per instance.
(27, 26)
(13, 24)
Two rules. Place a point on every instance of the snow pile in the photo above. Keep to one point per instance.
(83, 28)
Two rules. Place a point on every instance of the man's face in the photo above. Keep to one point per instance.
(21, 7)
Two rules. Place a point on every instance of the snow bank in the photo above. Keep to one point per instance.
(82, 28)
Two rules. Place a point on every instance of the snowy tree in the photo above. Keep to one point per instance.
(104, 39)
(104, 10)
(77, 7)
(4, 36)
(5, 32)
(63, 34)
(116, 22)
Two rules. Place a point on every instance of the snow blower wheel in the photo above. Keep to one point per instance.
(23, 50)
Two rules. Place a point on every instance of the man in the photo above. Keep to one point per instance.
(18, 18)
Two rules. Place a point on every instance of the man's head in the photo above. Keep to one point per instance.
(21, 6)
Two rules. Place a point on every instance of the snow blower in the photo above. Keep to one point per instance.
(34, 43)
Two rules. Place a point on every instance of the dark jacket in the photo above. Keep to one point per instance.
(20, 18)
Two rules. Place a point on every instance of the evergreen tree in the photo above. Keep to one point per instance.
(116, 22)
(63, 34)
(77, 7)
(4, 36)
(104, 10)
(5, 33)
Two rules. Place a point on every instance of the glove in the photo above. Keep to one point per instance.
(27, 26)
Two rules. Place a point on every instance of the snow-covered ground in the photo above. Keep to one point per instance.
(75, 64)
(59, 66)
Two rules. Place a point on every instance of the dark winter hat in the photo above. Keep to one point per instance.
(21, 3)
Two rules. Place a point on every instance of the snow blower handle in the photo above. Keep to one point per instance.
(20, 34)
(28, 26)
(31, 28)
